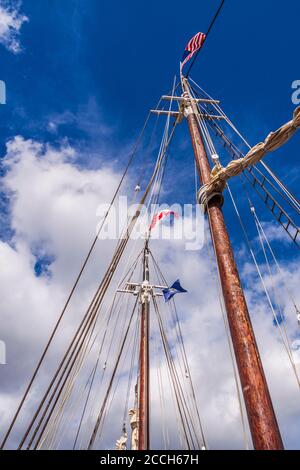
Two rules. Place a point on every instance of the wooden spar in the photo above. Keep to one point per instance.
(143, 435)
(261, 416)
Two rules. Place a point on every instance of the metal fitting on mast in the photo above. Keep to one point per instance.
(204, 199)
(146, 292)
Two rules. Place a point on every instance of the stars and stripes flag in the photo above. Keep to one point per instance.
(193, 46)
(161, 215)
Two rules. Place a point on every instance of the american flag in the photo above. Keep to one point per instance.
(193, 45)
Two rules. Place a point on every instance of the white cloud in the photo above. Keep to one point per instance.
(11, 21)
(53, 211)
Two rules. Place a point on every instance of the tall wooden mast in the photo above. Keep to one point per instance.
(144, 357)
(262, 420)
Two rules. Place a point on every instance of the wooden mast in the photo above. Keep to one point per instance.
(262, 420)
(143, 443)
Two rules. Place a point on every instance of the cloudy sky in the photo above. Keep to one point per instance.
(81, 76)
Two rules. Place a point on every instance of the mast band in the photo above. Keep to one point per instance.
(204, 198)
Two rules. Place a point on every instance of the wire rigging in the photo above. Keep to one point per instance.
(281, 329)
(207, 33)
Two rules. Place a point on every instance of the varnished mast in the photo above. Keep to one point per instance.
(144, 358)
(262, 420)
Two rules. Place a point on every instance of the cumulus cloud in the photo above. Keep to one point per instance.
(11, 21)
(53, 204)
(46, 190)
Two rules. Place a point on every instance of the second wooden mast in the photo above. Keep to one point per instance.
(143, 407)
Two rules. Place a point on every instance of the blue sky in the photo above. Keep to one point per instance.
(88, 72)
(102, 65)
(125, 54)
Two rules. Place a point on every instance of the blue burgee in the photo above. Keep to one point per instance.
(171, 291)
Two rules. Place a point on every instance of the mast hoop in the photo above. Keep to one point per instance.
(204, 198)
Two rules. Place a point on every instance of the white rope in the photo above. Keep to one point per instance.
(285, 343)
(165, 432)
(181, 433)
(217, 281)
(55, 421)
(276, 262)
(284, 189)
(179, 351)
(190, 432)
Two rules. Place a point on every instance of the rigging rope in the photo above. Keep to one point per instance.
(161, 395)
(207, 33)
(109, 403)
(276, 139)
(176, 386)
(92, 312)
(53, 333)
(186, 373)
(277, 265)
(132, 270)
(98, 297)
(215, 107)
(229, 343)
(98, 358)
(282, 334)
(95, 430)
(212, 151)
